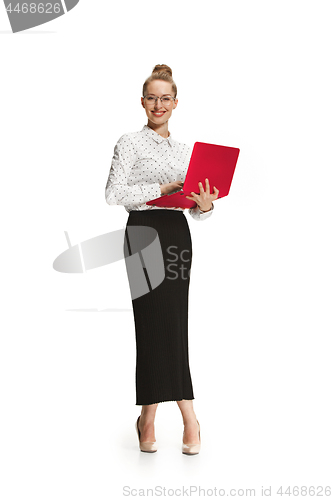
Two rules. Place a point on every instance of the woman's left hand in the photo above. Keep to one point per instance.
(204, 199)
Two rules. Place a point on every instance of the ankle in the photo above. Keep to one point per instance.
(190, 420)
(147, 420)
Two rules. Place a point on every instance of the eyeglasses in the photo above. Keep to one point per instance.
(165, 100)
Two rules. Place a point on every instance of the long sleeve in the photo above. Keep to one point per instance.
(198, 215)
(118, 191)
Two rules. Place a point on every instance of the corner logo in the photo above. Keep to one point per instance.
(25, 15)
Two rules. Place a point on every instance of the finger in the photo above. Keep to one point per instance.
(201, 187)
(216, 192)
(207, 187)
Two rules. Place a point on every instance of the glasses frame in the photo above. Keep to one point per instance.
(160, 98)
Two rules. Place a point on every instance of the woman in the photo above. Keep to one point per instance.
(145, 166)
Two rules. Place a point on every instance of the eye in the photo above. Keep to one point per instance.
(150, 98)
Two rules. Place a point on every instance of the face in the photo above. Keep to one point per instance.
(159, 114)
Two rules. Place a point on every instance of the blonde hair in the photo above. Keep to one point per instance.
(160, 72)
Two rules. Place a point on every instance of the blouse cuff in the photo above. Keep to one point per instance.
(151, 191)
(198, 214)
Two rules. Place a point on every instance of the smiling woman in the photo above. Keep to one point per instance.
(145, 166)
(159, 99)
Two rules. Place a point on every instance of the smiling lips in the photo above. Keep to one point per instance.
(158, 113)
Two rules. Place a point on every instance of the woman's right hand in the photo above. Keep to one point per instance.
(172, 186)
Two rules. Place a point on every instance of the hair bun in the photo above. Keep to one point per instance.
(162, 68)
(160, 72)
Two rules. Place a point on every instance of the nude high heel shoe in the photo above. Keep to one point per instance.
(191, 448)
(147, 446)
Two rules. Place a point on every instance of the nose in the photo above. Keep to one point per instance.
(158, 103)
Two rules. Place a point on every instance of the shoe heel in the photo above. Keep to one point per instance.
(192, 448)
(147, 446)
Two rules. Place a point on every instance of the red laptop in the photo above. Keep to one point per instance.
(216, 163)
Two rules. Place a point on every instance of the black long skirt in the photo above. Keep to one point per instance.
(160, 307)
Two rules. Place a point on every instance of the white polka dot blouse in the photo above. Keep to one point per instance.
(142, 161)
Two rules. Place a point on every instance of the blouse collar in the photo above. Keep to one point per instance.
(157, 137)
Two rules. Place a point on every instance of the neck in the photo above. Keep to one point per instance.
(162, 130)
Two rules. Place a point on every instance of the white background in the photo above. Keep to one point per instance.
(250, 74)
